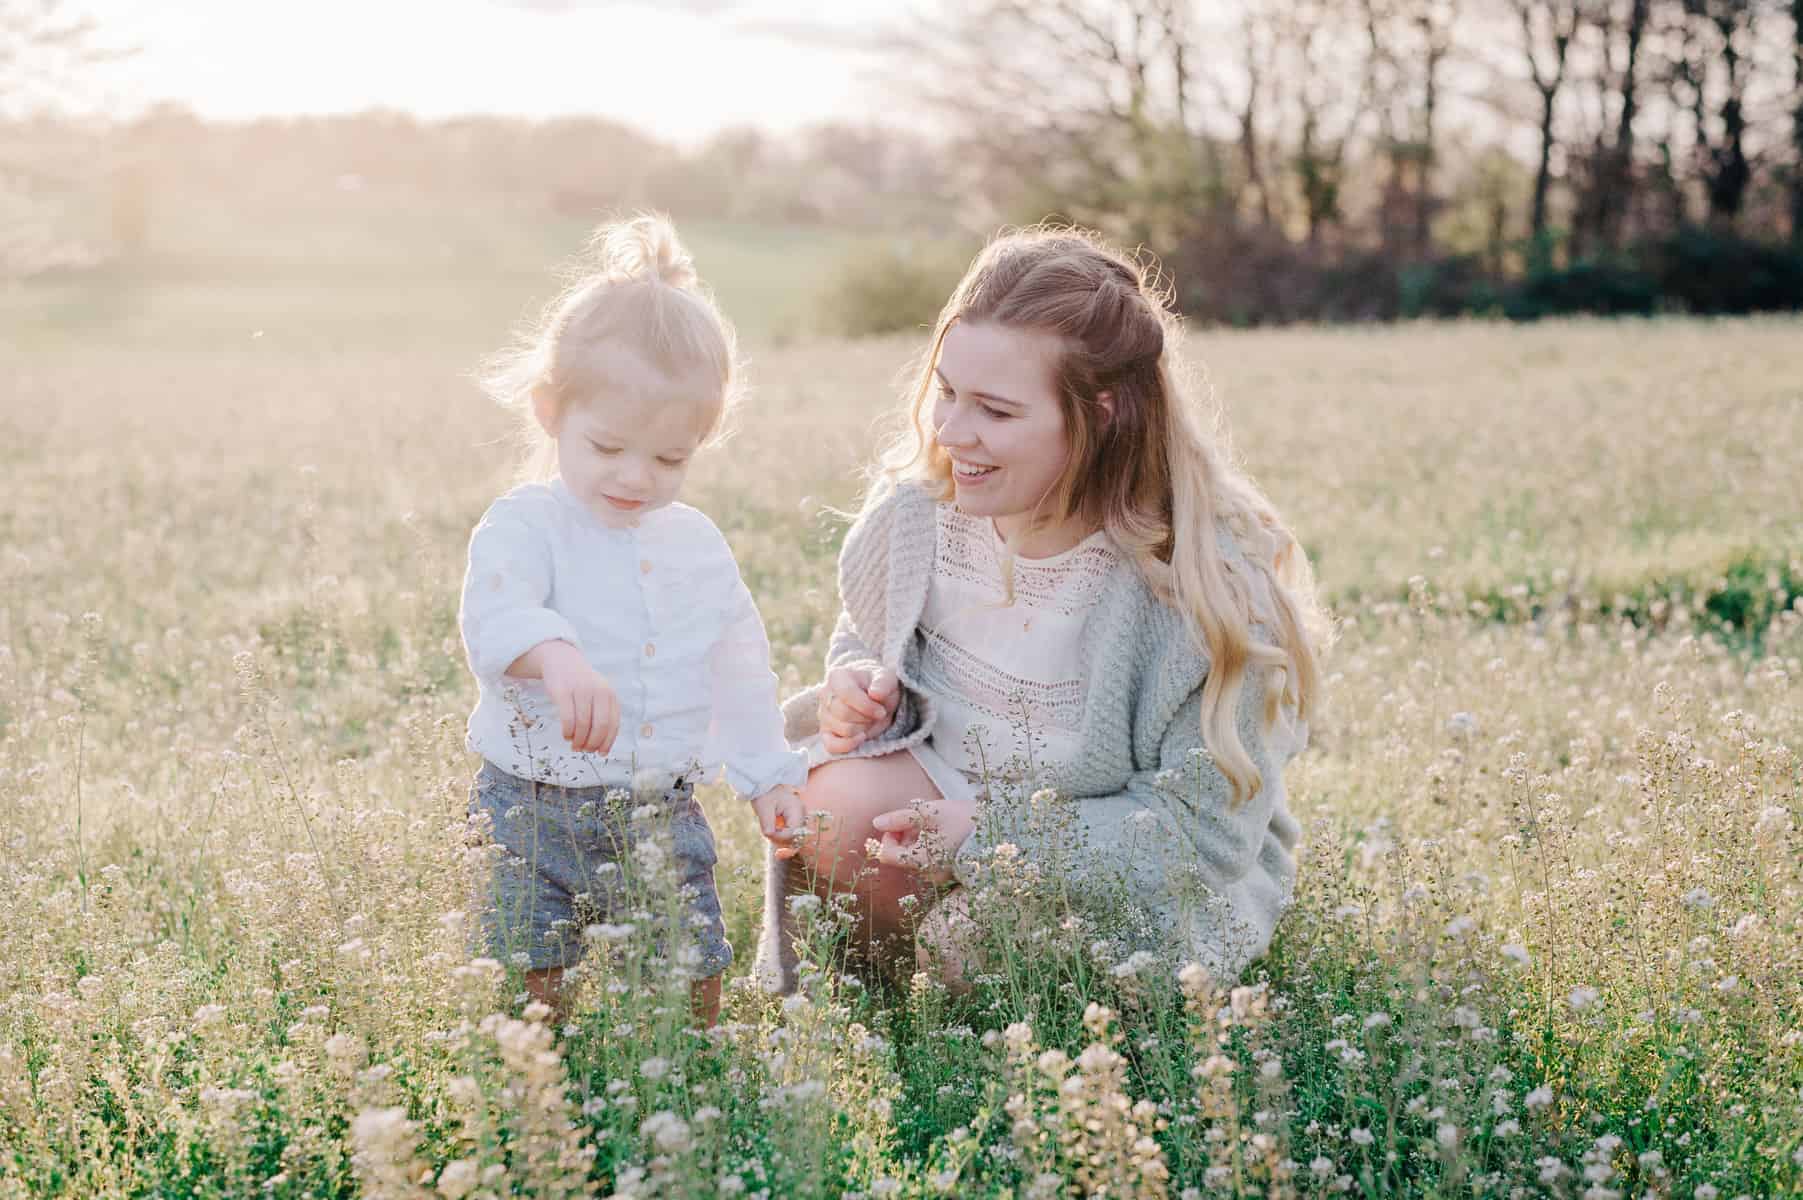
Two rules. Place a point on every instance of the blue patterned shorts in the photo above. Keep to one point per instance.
(573, 857)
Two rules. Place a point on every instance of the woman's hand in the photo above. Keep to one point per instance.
(782, 818)
(924, 837)
(856, 705)
(586, 705)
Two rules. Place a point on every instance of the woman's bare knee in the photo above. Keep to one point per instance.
(852, 793)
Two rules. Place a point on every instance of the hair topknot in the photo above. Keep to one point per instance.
(632, 298)
(644, 248)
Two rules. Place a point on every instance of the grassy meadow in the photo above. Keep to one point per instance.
(1546, 939)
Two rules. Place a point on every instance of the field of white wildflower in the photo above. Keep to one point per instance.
(1546, 940)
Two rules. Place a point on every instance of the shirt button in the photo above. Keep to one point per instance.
(644, 566)
(645, 730)
(650, 649)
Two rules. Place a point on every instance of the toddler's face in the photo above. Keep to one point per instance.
(626, 455)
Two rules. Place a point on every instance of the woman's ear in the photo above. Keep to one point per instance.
(544, 409)
(1106, 400)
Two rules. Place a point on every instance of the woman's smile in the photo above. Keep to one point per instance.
(972, 473)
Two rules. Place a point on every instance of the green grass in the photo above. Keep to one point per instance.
(1554, 843)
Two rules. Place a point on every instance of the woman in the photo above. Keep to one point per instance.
(1057, 580)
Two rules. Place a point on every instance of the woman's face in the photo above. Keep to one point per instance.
(998, 415)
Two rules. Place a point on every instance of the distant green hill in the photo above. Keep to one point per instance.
(361, 271)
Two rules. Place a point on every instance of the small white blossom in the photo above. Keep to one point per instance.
(1136, 962)
(1700, 900)
(458, 1179)
(667, 1131)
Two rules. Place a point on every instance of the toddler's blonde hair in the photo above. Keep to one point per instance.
(633, 298)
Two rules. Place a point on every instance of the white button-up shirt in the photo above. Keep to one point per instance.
(658, 609)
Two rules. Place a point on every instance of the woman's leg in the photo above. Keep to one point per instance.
(851, 792)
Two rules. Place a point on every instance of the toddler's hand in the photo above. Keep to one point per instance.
(856, 705)
(585, 703)
(782, 818)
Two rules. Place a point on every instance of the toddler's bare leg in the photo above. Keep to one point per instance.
(546, 987)
(704, 1001)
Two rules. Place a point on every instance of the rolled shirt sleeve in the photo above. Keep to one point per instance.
(746, 729)
(506, 590)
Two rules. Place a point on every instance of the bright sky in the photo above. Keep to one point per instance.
(680, 69)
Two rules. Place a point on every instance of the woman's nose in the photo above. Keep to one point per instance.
(952, 431)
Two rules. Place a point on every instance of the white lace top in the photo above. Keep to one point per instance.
(1008, 678)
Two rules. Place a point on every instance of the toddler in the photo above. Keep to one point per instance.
(614, 644)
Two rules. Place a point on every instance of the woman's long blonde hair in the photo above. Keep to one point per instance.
(1142, 466)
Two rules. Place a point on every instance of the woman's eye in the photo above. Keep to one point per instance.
(948, 396)
(607, 451)
(671, 462)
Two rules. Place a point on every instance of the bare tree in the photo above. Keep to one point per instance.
(1796, 124)
(1723, 29)
(1257, 52)
(1621, 26)
(49, 53)
(1434, 21)
(1330, 94)
(1095, 100)
(1547, 30)
(1410, 42)
(1390, 99)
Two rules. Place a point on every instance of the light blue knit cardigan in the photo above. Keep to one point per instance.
(1151, 819)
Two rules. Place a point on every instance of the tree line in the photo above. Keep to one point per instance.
(1288, 159)
(1374, 158)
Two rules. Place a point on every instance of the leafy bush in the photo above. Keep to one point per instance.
(1589, 286)
(892, 288)
(1721, 273)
